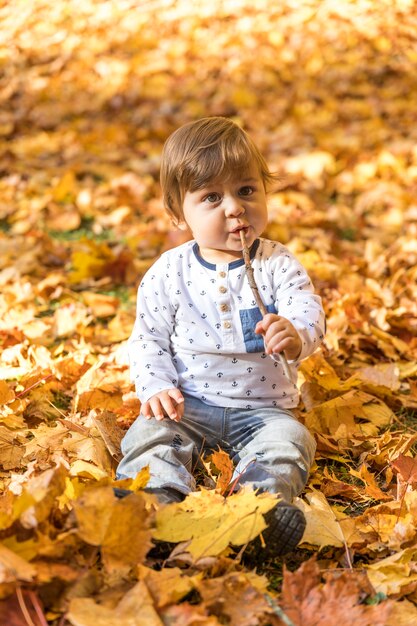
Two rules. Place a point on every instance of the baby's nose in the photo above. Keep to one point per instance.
(234, 206)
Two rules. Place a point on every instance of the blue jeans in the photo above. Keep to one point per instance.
(271, 450)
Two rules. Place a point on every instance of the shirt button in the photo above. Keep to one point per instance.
(227, 325)
(222, 274)
(222, 289)
(224, 308)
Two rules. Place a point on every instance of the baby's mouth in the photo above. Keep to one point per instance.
(237, 230)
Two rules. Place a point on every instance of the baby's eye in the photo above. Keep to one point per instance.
(212, 198)
(246, 191)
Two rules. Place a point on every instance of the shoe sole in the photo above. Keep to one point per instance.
(286, 525)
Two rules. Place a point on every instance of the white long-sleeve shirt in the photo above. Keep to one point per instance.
(195, 326)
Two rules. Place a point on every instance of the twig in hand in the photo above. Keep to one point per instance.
(257, 296)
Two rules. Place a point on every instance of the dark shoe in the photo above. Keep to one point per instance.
(286, 524)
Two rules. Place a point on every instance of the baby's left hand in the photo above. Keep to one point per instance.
(279, 336)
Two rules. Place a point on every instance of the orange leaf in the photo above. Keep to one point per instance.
(223, 463)
(406, 467)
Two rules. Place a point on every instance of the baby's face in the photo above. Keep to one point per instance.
(217, 213)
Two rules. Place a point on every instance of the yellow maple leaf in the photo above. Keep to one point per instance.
(211, 522)
(389, 575)
(323, 528)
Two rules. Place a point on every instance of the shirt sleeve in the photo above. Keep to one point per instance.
(297, 302)
(151, 367)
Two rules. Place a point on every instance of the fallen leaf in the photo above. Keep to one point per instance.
(390, 575)
(222, 462)
(186, 614)
(134, 609)
(120, 527)
(403, 613)
(11, 610)
(14, 567)
(232, 598)
(323, 528)
(168, 586)
(355, 412)
(406, 467)
(211, 522)
(6, 393)
(372, 488)
(308, 602)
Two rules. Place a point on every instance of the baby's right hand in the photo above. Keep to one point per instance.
(169, 402)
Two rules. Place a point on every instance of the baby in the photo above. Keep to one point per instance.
(203, 358)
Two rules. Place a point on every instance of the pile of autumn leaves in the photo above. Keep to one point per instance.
(70, 547)
(70, 552)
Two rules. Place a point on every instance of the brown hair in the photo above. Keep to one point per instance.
(212, 148)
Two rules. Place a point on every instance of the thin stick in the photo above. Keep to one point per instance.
(23, 607)
(37, 606)
(258, 299)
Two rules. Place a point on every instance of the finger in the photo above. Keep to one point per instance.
(145, 410)
(270, 321)
(169, 406)
(176, 395)
(280, 346)
(277, 332)
(156, 408)
(278, 341)
(180, 411)
(178, 404)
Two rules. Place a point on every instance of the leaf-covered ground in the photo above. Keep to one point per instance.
(89, 92)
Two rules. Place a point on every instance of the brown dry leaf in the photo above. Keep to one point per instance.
(406, 467)
(233, 598)
(332, 486)
(134, 609)
(381, 375)
(11, 610)
(389, 446)
(110, 432)
(222, 462)
(168, 586)
(353, 413)
(185, 614)
(46, 440)
(372, 489)
(6, 393)
(39, 497)
(391, 524)
(89, 447)
(12, 448)
(403, 613)
(120, 527)
(308, 602)
(100, 304)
